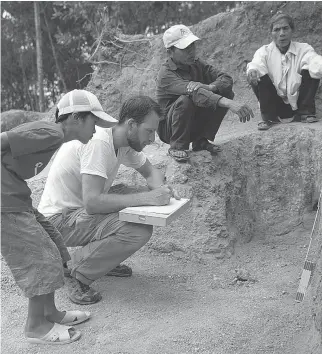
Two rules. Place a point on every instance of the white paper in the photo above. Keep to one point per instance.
(163, 209)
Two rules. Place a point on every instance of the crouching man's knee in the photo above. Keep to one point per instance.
(142, 233)
(185, 103)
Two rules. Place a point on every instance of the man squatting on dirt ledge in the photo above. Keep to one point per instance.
(284, 76)
(31, 246)
(79, 201)
(195, 96)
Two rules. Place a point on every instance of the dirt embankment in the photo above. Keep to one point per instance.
(229, 41)
(255, 195)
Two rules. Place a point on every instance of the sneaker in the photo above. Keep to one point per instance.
(80, 293)
(121, 270)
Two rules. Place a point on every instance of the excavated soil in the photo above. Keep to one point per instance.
(252, 210)
(181, 299)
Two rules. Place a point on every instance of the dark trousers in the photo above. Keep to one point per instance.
(186, 123)
(272, 105)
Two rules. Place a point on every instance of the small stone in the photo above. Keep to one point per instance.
(284, 292)
(233, 282)
(242, 274)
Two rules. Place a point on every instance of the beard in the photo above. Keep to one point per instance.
(134, 143)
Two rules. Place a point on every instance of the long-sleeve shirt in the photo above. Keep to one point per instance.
(173, 80)
(285, 69)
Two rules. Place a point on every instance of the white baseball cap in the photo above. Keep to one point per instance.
(84, 101)
(179, 36)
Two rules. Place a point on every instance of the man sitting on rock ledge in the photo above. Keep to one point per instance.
(78, 199)
(284, 76)
(195, 96)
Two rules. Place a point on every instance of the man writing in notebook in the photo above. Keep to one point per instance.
(79, 201)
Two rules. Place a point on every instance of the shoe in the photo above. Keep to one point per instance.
(80, 293)
(121, 270)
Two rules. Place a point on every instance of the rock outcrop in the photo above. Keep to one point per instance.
(229, 41)
(15, 117)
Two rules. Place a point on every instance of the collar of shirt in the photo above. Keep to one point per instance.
(173, 66)
(291, 49)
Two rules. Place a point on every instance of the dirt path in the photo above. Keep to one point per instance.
(173, 304)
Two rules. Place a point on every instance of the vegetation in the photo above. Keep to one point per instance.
(68, 33)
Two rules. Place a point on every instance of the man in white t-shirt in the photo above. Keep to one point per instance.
(78, 200)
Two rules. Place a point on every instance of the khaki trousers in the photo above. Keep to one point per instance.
(105, 241)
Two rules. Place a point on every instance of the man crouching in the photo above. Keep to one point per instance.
(284, 76)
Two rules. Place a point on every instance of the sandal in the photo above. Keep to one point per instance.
(309, 118)
(204, 144)
(75, 317)
(121, 270)
(286, 120)
(178, 155)
(265, 125)
(58, 335)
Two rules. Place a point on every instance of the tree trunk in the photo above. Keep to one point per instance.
(39, 57)
(25, 82)
(60, 74)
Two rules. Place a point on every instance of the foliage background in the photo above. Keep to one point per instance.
(75, 29)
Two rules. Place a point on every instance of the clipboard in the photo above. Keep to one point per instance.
(155, 215)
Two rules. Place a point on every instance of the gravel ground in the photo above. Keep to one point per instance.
(172, 304)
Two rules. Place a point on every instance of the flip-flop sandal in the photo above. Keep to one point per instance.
(121, 270)
(75, 317)
(286, 120)
(264, 125)
(212, 148)
(58, 335)
(309, 118)
(172, 153)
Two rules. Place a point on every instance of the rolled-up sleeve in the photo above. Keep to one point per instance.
(259, 61)
(220, 79)
(172, 84)
(205, 98)
(312, 62)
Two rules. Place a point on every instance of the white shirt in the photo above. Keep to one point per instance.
(63, 187)
(285, 69)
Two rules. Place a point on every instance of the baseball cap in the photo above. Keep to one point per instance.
(84, 101)
(179, 36)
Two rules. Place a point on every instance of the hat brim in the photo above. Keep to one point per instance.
(105, 120)
(186, 41)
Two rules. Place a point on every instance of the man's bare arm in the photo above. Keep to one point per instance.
(97, 202)
(242, 110)
(154, 177)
